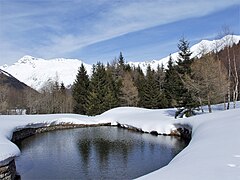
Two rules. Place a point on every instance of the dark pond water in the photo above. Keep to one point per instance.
(94, 153)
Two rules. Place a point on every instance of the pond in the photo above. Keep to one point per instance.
(94, 153)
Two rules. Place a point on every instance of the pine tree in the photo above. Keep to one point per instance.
(139, 81)
(62, 98)
(152, 94)
(159, 78)
(62, 89)
(185, 101)
(80, 91)
(113, 90)
(171, 83)
(121, 67)
(184, 60)
(103, 91)
(121, 61)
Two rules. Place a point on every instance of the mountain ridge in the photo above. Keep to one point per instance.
(35, 72)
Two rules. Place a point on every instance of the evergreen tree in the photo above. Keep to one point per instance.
(80, 91)
(139, 81)
(152, 94)
(159, 78)
(121, 61)
(160, 75)
(184, 60)
(62, 98)
(113, 91)
(62, 89)
(171, 84)
(103, 91)
(185, 101)
(96, 95)
(121, 66)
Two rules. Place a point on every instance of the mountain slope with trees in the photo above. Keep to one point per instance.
(186, 84)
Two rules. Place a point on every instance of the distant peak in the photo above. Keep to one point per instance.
(26, 59)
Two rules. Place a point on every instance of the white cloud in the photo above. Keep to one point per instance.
(81, 23)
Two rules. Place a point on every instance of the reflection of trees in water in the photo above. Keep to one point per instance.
(103, 149)
(178, 144)
(84, 147)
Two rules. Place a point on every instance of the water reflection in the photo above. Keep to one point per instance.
(94, 153)
(104, 148)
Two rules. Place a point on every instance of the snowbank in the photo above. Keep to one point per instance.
(10, 123)
(213, 153)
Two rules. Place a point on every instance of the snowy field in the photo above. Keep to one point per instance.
(213, 153)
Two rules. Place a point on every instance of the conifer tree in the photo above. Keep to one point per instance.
(139, 81)
(171, 83)
(185, 101)
(152, 94)
(121, 67)
(159, 78)
(121, 60)
(113, 91)
(103, 91)
(184, 60)
(96, 96)
(80, 91)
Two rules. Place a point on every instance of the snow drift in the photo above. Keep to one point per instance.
(213, 153)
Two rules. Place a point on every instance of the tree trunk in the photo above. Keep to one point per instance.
(229, 79)
(201, 105)
(236, 81)
(209, 104)
(224, 103)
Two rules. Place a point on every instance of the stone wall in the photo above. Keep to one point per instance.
(21, 134)
(183, 131)
(8, 172)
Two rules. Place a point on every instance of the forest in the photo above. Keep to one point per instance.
(186, 84)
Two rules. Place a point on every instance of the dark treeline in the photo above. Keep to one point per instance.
(186, 83)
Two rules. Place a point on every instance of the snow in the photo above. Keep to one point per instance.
(35, 72)
(196, 49)
(9, 123)
(5, 73)
(213, 153)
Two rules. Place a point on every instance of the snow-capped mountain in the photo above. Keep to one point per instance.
(10, 84)
(35, 72)
(203, 47)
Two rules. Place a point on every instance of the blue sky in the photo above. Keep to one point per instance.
(97, 30)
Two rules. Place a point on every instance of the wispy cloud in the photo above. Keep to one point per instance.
(50, 28)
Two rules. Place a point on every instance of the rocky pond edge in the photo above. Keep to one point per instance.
(8, 169)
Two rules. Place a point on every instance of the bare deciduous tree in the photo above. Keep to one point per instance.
(129, 91)
(204, 81)
(3, 99)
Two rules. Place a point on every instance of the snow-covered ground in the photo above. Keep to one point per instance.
(213, 153)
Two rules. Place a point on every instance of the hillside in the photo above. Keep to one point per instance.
(35, 72)
(13, 92)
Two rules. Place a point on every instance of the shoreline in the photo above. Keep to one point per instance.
(8, 170)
